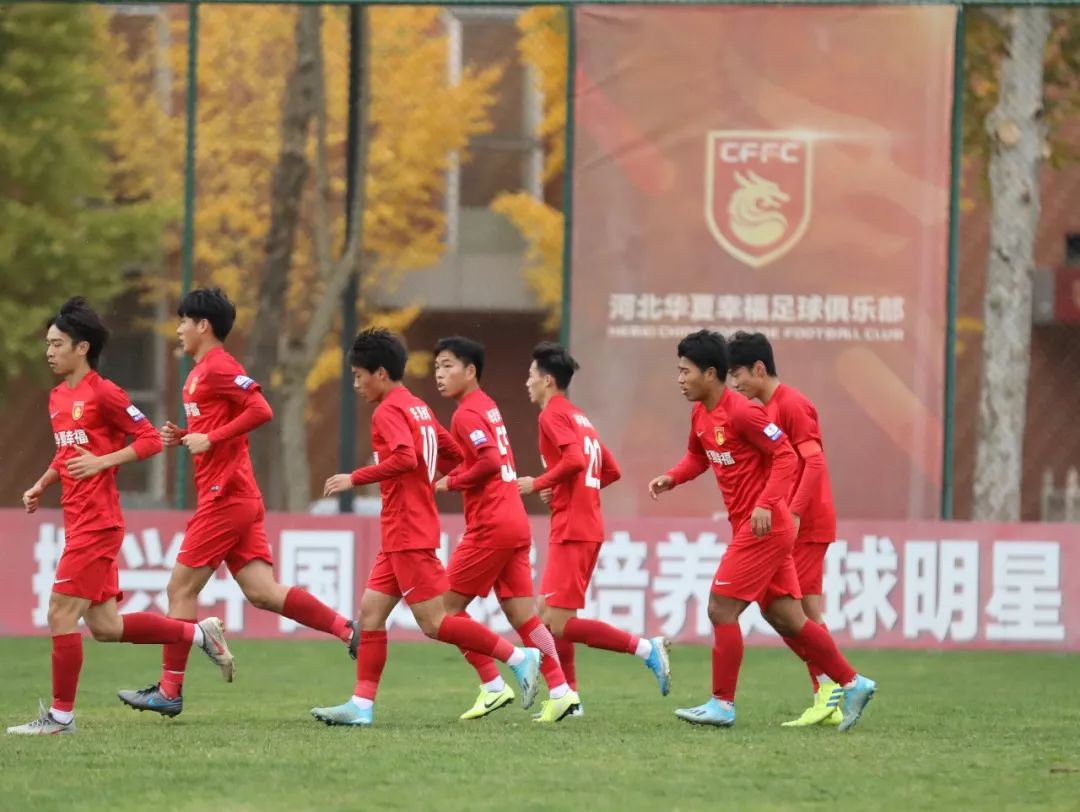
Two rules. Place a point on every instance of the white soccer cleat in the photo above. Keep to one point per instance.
(215, 647)
(44, 725)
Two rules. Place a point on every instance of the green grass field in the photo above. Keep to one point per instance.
(948, 731)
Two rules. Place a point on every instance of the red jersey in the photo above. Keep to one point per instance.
(811, 496)
(409, 518)
(97, 415)
(575, 502)
(494, 513)
(216, 392)
(750, 455)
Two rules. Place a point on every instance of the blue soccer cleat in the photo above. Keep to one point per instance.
(659, 663)
(348, 714)
(855, 699)
(711, 713)
(152, 699)
(527, 673)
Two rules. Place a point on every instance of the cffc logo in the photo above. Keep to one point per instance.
(757, 192)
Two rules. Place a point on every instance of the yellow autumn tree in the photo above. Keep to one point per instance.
(543, 46)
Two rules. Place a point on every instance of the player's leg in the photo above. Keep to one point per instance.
(378, 601)
(727, 656)
(521, 611)
(251, 564)
(563, 587)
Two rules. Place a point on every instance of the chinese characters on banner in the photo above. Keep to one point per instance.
(901, 584)
(783, 170)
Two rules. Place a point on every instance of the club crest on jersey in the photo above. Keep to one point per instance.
(77, 409)
(193, 384)
(757, 192)
(719, 435)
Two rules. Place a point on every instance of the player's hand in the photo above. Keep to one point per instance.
(795, 519)
(525, 485)
(170, 434)
(761, 521)
(545, 496)
(32, 498)
(338, 483)
(662, 484)
(196, 443)
(442, 485)
(85, 465)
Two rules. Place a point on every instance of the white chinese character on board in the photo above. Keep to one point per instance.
(619, 583)
(863, 309)
(809, 308)
(649, 307)
(729, 308)
(621, 307)
(676, 306)
(752, 621)
(320, 562)
(685, 571)
(47, 550)
(837, 308)
(702, 306)
(941, 589)
(890, 309)
(756, 307)
(783, 308)
(865, 578)
(1026, 599)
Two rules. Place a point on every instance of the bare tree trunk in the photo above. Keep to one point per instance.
(298, 108)
(1017, 132)
(333, 278)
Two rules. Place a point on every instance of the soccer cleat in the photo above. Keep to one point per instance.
(660, 664)
(833, 719)
(215, 647)
(826, 705)
(489, 702)
(44, 725)
(711, 713)
(855, 699)
(152, 699)
(577, 712)
(354, 640)
(555, 710)
(528, 673)
(348, 714)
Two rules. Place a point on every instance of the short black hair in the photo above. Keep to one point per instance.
(746, 349)
(211, 304)
(705, 349)
(554, 360)
(465, 350)
(81, 322)
(378, 347)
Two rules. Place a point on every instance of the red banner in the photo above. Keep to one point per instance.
(782, 170)
(887, 584)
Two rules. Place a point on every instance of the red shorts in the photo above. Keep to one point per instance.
(226, 530)
(88, 569)
(415, 575)
(758, 569)
(569, 569)
(810, 565)
(474, 570)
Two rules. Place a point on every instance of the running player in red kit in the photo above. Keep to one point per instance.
(222, 405)
(755, 468)
(91, 419)
(578, 466)
(494, 552)
(752, 369)
(410, 448)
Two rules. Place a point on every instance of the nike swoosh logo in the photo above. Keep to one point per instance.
(700, 433)
(547, 594)
(721, 583)
(407, 591)
(53, 415)
(488, 705)
(61, 580)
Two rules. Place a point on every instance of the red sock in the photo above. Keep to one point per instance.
(535, 634)
(146, 627)
(597, 634)
(800, 652)
(67, 660)
(370, 662)
(174, 659)
(466, 633)
(306, 609)
(824, 653)
(727, 654)
(484, 665)
(565, 649)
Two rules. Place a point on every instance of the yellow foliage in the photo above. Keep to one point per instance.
(542, 227)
